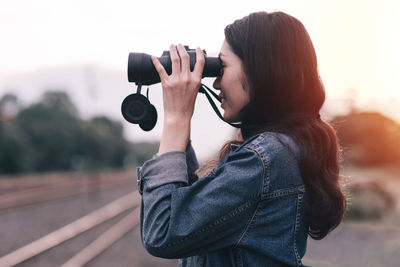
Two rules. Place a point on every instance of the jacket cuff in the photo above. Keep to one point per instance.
(167, 168)
(191, 159)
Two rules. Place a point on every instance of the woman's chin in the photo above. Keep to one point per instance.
(226, 117)
(230, 119)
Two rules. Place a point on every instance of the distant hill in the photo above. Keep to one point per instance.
(368, 138)
(95, 90)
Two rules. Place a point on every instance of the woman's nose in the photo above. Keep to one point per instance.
(216, 83)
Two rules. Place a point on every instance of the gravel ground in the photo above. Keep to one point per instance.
(357, 244)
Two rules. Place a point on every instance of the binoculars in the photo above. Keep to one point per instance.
(136, 108)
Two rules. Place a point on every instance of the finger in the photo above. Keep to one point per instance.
(200, 61)
(175, 60)
(185, 59)
(159, 68)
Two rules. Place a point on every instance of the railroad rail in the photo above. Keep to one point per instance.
(79, 226)
(19, 192)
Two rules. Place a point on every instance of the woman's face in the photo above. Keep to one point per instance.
(232, 84)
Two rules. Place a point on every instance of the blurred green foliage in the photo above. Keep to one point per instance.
(50, 136)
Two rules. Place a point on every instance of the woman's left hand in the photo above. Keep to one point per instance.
(180, 89)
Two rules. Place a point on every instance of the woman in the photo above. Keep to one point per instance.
(270, 188)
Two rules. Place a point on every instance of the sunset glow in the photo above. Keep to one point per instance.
(357, 42)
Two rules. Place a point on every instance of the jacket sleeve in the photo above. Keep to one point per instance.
(179, 220)
(191, 162)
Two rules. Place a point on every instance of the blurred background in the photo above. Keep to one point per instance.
(65, 150)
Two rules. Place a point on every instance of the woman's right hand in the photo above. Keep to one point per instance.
(180, 89)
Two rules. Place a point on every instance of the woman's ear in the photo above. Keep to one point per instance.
(245, 84)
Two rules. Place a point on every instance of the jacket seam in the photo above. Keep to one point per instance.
(201, 260)
(249, 225)
(296, 228)
(238, 256)
(263, 163)
(284, 192)
(219, 221)
(254, 146)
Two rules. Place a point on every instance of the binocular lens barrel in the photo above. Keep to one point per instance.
(142, 71)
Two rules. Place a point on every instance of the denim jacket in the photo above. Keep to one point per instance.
(249, 211)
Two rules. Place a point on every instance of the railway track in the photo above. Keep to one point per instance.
(19, 192)
(114, 220)
(15, 195)
(79, 226)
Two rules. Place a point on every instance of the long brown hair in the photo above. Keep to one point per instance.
(286, 94)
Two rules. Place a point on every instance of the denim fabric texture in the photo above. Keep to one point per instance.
(249, 211)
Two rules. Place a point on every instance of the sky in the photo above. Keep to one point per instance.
(357, 41)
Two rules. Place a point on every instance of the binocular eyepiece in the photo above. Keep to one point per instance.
(136, 108)
(142, 71)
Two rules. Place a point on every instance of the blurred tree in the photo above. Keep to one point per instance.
(50, 136)
(15, 151)
(368, 138)
(103, 143)
(59, 100)
(9, 107)
(52, 127)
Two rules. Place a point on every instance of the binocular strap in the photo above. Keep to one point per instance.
(203, 89)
